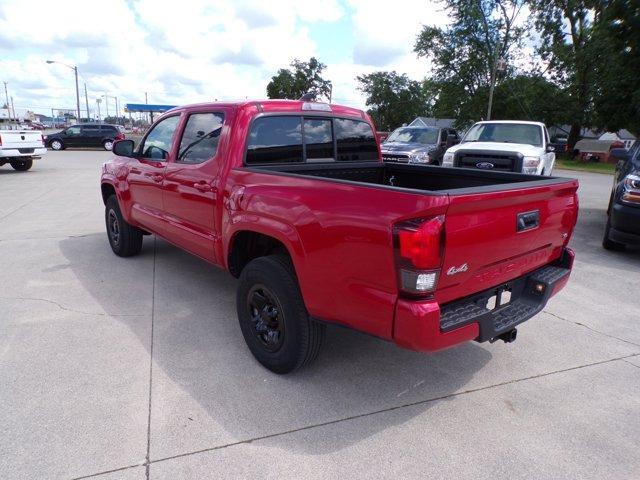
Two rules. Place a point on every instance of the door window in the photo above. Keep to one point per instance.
(73, 131)
(200, 139)
(158, 143)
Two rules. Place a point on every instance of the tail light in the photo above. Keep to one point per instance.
(419, 245)
(119, 136)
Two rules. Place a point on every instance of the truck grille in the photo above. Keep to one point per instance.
(26, 150)
(395, 157)
(489, 161)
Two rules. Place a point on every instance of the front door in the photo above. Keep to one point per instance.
(73, 136)
(146, 173)
(190, 190)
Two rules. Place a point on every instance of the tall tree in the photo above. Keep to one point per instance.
(464, 54)
(569, 48)
(617, 70)
(303, 77)
(392, 99)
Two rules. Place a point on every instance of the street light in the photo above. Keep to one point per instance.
(75, 70)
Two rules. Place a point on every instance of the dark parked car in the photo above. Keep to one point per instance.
(85, 135)
(623, 222)
(418, 144)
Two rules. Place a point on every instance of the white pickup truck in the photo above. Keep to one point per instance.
(20, 147)
(506, 146)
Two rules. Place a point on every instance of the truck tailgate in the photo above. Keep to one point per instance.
(493, 237)
(21, 139)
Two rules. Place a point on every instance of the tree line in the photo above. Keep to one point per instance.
(563, 62)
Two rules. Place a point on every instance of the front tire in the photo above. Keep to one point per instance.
(125, 239)
(273, 318)
(22, 165)
(609, 244)
(56, 145)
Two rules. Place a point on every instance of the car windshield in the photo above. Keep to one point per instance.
(427, 136)
(505, 132)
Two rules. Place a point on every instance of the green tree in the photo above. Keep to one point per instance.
(303, 77)
(617, 70)
(465, 53)
(570, 49)
(392, 99)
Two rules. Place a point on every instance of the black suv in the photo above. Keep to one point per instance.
(85, 135)
(623, 223)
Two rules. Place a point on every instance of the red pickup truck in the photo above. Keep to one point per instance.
(293, 199)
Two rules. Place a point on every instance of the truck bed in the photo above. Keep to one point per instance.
(426, 178)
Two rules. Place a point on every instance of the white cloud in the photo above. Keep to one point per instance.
(227, 49)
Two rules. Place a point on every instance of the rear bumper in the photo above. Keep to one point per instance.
(22, 152)
(425, 326)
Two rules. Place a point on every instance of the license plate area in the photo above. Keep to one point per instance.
(501, 297)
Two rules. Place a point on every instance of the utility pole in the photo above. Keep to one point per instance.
(98, 100)
(15, 118)
(7, 97)
(86, 99)
(75, 70)
(106, 104)
(117, 112)
(499, 64)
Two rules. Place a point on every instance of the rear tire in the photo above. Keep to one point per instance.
(125, 239)
(609, 244)
(107, 145)
(273, 318)
(56, 145)
(22, 165)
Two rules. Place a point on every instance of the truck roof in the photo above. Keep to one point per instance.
(280, 105)
(528, 122)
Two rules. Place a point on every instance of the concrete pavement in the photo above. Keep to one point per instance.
(136, 368)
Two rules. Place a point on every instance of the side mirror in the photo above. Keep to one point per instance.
(123, 148)
(451, 140)
(551, 148)
(619, 153)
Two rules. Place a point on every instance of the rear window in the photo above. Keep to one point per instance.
(355, 140)
(295, 139)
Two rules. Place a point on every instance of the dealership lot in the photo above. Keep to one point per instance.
(118, 368)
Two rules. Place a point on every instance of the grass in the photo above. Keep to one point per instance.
(568, 164)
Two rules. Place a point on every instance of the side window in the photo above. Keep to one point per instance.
(73, 131)
(356, 140)
(158, 143)
(275, 139)
(90, 130)
(318, 140)
(200, 139)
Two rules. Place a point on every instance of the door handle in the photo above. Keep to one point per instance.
(202, 186)
(528, 220)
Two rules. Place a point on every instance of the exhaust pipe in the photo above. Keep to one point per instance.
(508, 337)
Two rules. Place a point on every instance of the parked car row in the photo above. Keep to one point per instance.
(508, 146)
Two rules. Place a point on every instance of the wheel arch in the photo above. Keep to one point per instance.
(248, 244)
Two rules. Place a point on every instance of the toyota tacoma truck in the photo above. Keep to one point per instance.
(504, 145)
(293, 198)
(20, 147)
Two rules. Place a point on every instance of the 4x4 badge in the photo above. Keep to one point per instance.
(462, 268)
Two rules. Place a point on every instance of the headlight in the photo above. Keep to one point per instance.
(447, 160)
(530, 165)
(631, 192)
(421, 157)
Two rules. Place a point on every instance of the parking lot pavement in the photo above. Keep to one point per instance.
(136, 368)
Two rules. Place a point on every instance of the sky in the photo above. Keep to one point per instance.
(192, 51)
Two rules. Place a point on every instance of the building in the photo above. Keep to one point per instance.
(624, 136)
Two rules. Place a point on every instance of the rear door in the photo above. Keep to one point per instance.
(493, 237)
(91, 136)
(190, 187)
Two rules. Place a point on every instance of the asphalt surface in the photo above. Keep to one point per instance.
(136, 368)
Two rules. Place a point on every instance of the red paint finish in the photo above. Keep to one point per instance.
(340, 235)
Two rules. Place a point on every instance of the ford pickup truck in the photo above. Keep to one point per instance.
(293, 198)
(20, 147)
